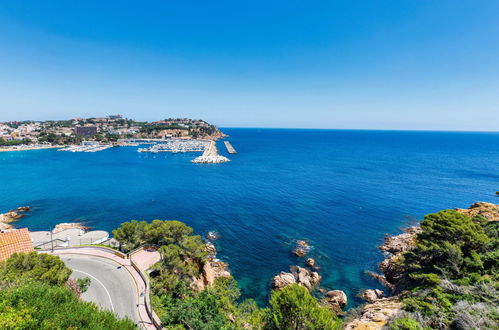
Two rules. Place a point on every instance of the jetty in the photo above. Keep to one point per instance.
(211, 156)
(230, 148)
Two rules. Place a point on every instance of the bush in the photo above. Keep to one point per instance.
(293, 307)
(38, 305)
(405, 323)
(34, 266)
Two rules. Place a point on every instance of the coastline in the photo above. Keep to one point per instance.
(16, 148)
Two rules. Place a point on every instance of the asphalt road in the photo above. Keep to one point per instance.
(111, 286)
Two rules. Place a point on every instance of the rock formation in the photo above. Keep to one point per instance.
(301, 249)
(371, 295)
(337, 297)
(283, 279)
(376, 315)
(69, 225)
(298, 275)
(395, 246)
(335, 300)
(401, 243)
(11, 216)
(310, 262)
(211, 249)
(24, 209)
(212, 269)
(487, 210)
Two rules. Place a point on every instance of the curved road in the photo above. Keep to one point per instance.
(111, 287)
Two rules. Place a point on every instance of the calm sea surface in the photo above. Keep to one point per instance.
(340, 190)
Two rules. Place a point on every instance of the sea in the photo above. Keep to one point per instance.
(340, 190)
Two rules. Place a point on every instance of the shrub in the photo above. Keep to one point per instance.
(293, 307)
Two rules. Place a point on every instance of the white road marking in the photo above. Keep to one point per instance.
(110, 300)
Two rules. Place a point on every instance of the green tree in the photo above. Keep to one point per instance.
(447, 246)
(130, 234)
(34, 266)
(166, 232)
(293, 307)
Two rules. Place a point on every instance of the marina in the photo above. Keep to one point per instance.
(230, 148)
(176, 146)
(87, 147)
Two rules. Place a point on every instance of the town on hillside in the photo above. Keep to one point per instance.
(108, 129)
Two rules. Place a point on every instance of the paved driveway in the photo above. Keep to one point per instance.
(111, 287)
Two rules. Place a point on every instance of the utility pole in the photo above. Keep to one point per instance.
(51, 240)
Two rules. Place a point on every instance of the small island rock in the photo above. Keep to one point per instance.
(310, 262)
(301, 249)
(337, 297)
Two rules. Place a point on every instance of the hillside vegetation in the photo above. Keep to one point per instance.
(36, 293)
(451, 274)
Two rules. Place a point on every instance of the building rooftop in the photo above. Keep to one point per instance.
(14, 241)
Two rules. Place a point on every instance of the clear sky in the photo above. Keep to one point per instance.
(398, 64)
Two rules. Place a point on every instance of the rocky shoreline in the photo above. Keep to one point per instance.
(6, 220)
(380, 310)
(213, 268)
(11, 216)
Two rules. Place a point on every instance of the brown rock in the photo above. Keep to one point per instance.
(487, 210)
(371, 295)
(301, 249)
(306, 278)
(401, 243)
(376, 315)
(69, 225)
(210, 272)
(315, 278)
(310, 262)
(300, 252)
(212, 235)
(302, 244)
(23, 209)
(283, 279)
(211, 250)
(337, 297)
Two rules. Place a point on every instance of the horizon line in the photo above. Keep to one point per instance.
(363, 129)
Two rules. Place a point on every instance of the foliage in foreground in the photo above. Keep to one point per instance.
(38, 305)
(38, 294)
(218, 307)
(294, 308)
(453, 273)
(34, 267)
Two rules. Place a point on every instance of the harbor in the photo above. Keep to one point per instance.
(230, 148)
(178, 145)
(87, 146)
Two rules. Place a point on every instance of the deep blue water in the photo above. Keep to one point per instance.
(340, 190)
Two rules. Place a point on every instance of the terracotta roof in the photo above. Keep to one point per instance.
(14, 241)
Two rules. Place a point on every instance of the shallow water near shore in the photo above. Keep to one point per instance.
(341, 190)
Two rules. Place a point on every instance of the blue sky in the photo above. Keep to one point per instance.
(399, 64)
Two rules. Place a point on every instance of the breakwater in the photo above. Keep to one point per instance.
(230, 148)
(210, 155)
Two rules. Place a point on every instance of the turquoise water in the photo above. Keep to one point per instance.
(340, 190)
